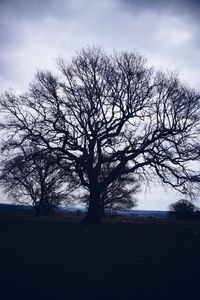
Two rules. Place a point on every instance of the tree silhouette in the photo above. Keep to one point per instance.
(108, 110)
(119, 195)
(33, 179)
(183, 209)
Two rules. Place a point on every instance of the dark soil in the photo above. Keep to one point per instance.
(58, 258)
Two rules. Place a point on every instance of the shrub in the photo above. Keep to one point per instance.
(183, 209)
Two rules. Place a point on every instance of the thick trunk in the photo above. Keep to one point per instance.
(102, 207)
(37, 211)
(102, 211)
(94, 209)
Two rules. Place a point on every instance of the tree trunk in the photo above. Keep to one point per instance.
(94, 209)
(102, 211)
(102, 207)
(37, 211)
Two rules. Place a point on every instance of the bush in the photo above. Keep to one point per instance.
(183, 209)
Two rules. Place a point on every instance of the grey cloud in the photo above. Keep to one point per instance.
(186, 7)
(29, 9)
(38, 7)
(33, 31)
(186, 10)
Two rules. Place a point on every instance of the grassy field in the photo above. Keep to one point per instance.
(58, 258)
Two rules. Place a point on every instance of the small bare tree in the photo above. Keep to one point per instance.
(108, 110)
(33, 179)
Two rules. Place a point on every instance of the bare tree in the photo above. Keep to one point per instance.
(108, 110)
(33, 179)
(119, 195)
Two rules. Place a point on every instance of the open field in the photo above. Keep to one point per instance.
(58, 258)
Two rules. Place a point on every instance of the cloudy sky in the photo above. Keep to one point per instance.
(34, 33)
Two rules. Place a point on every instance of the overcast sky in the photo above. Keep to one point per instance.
(34, 33)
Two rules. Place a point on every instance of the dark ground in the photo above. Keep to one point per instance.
(58, 258)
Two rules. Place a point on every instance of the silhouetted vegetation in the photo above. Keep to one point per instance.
(108, 111)
(183, 209)
(34, 179)
(119, 195)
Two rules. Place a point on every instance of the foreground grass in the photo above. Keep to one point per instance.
(59, 258)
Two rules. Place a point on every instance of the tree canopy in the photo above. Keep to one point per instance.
(108, 110)
(183, 209)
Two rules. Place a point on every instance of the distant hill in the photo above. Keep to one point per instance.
(24, 209)
(15, 208)
(146, 213)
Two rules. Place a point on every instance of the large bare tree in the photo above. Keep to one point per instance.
(108, 110)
